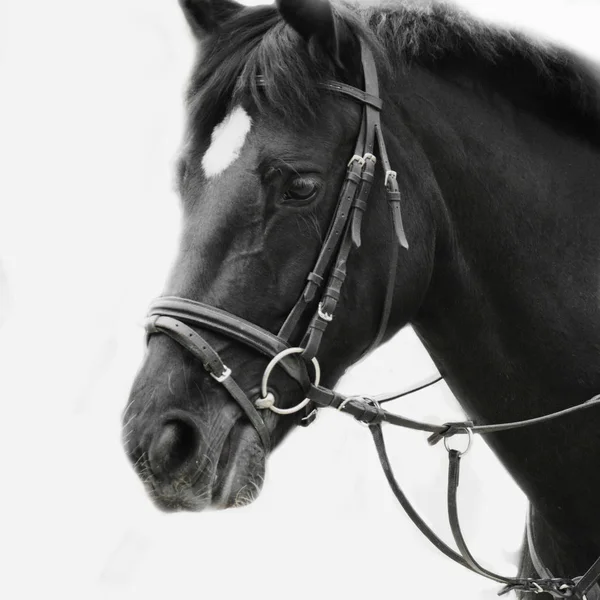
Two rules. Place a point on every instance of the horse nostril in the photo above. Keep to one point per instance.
(172, 447)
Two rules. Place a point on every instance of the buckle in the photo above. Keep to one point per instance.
(328, 317)
(223, 376)
(469, 432)
(356, 158)
(309, 419)
(349, 399)
(390, 175)
(537, 588)
(366, 403)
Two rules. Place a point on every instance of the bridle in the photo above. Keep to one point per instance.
(178, 317)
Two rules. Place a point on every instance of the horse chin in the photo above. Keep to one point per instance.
(241, 469)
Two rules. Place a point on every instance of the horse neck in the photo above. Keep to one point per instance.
(510, 315)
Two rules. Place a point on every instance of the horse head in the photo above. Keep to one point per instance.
(260, 176)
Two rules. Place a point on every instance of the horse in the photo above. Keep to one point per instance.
(495, 140)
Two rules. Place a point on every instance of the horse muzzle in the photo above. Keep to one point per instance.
(188, 463)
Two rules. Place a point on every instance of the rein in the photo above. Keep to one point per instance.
(177, 317)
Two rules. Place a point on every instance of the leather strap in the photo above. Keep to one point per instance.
(465, 558)
(382, 398)
(211, 361)
(359, 206)
(215, 319)
(414, 516)
(251, 412)
(364, 97)
(386, 311)
(370, 412)
(498, 427)
(190, 340)
(220, 321)
(316, 277)
(393, 191)
(365, 148)
(453, 481)
(351, 205)
(358, 405)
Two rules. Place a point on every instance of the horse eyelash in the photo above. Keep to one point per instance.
(302, 180)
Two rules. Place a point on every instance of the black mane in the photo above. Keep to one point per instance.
(257, 42)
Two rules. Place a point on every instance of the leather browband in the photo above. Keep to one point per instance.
(341, 88)
(354, 93)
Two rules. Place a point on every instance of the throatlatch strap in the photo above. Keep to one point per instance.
(388, 300)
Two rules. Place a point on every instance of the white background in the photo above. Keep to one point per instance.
(90, 121)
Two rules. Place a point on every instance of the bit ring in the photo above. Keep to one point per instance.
(466, 430)
(267, 374)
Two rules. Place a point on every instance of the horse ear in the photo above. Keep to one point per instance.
(312, 19)
(205, 16)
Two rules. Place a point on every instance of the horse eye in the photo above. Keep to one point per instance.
(301, 189)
